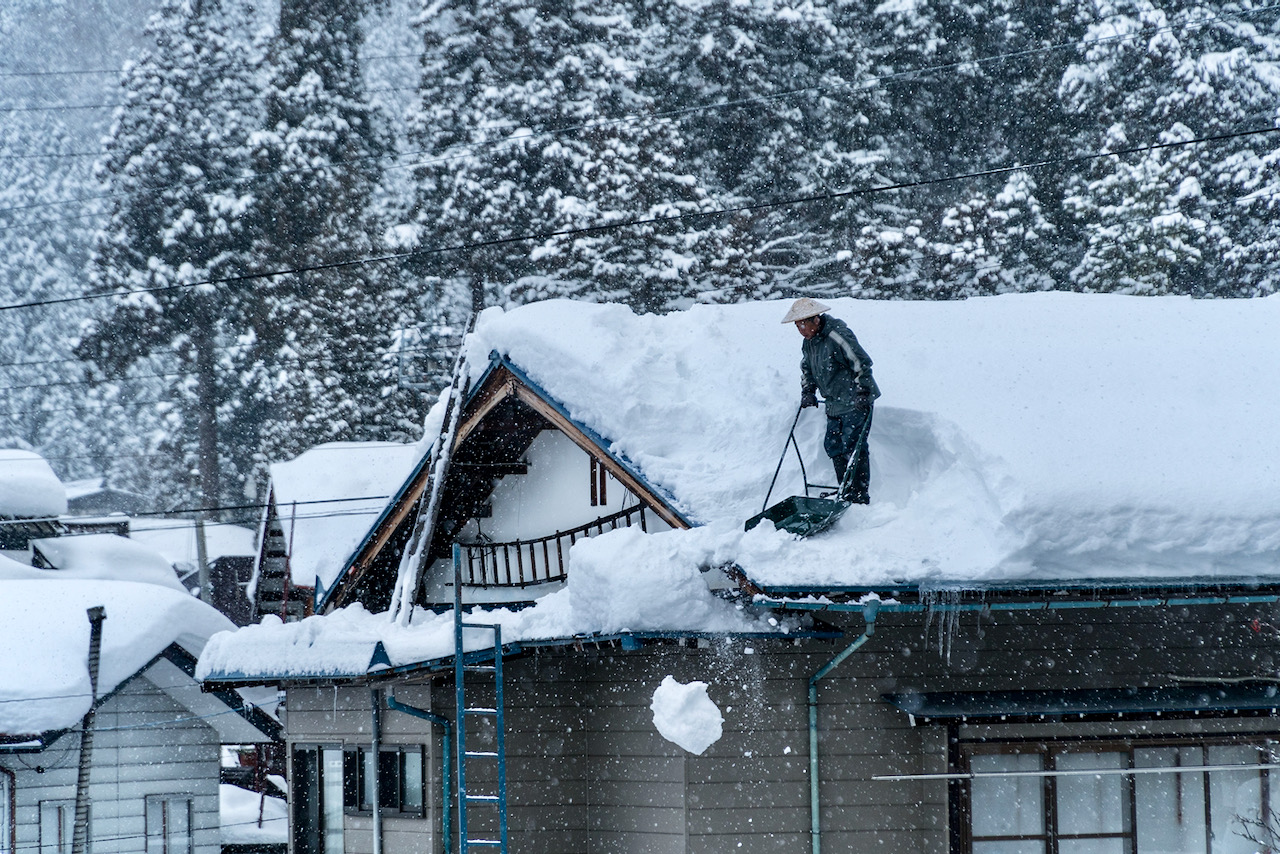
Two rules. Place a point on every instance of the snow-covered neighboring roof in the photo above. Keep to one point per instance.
(339, 489)
(44, 632)
(28, 487)
(106, 556)
(1020, 439)
(176, 539)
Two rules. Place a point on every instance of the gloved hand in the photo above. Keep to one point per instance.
(807, 399)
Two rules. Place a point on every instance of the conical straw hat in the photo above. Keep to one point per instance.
(805, 307)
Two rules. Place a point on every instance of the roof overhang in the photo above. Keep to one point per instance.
(1259, 698)
(381, 669)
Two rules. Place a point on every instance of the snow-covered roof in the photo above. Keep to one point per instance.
(28, 487)
(176, 539)
(328, 498)
(1020, 439)
(44, 632)
(106, 556)
(1030, 436)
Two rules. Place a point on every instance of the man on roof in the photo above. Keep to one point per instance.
(833, 363)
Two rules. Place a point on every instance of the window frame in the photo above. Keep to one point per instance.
(393, 771)
(1050, 748)
(163, 802)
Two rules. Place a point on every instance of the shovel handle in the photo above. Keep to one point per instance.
(791, 437)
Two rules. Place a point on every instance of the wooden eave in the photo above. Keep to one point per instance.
(502, 397)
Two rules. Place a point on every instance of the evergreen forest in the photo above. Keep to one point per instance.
(230, 231)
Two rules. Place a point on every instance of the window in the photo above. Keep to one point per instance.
(320, 786)
(1122, 798)
(57, 826)
(599, 487)
(169, 824)
(401, 779)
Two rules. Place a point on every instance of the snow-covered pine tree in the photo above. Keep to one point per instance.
(533, 121)
(971, 88)
(174, 173)
(1193, 219)
(774, 109)
(314, 369)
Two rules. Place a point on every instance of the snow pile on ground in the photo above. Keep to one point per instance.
(1028, 436)
(44, 632)
(105, 556)
(329, 497)
(28, 487)
(248, 818)
(685, 715)
(659, 588)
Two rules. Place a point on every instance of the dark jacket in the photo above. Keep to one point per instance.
(835, 364)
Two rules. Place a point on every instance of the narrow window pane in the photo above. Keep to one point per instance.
(1007, 806)
(411, 794)
(367, 771)
(304, 786)
(331, 799)
(1088, 803)
(1114, 845)
(1011, 846)
(1234, 796)
(1170, 806)
(6, 817)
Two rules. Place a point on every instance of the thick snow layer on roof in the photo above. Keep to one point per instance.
(658, 588)
(176, 539)
(44, 632)
(106, 556)
(28, 487)
(340, 489)
(1028, 436)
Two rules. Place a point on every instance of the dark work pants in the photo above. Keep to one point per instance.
(842, 442)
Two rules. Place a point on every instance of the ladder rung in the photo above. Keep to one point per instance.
(488, 799)
(489, 753)
(479, 711)
(484, 842)
(480, 668)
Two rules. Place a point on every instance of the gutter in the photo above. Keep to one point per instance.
(396, 706)
(869, 611)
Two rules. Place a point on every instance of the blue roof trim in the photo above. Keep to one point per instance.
(497, 360)
(941, 591)
(379, 666)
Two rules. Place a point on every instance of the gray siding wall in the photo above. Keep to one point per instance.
(144, 744)
(588, 772)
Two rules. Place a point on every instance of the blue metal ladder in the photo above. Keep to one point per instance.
(463, 664)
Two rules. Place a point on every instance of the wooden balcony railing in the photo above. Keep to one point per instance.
(525, 562)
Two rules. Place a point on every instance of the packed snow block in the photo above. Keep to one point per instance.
(686, 716)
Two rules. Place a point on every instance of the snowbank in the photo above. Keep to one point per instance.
(248, 818)
(176, 539)
(28, 487)
(339, 488)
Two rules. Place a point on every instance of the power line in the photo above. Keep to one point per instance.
(647, 118)
(656, 220)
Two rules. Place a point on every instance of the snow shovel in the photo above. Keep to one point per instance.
(800, 514)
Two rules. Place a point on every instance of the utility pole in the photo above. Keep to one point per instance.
(202, 559)
(80, 838)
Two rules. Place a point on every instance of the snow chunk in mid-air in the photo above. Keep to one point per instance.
(686, 716)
